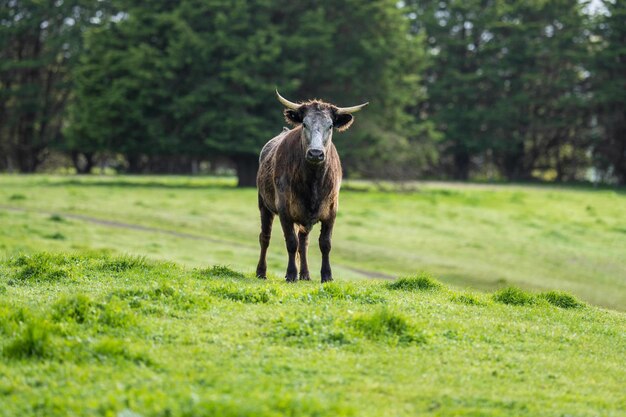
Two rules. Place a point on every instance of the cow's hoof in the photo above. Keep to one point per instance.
(327, 279)
(305, 277)
(291, 278)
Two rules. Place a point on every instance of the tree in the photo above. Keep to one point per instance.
(540, 116)
(345, 52)
(353, 51)
(198, 77)
(609, 90)
(39, 44)
(459, 83)
(124, 87)
(507, 85)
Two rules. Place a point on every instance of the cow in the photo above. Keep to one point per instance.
(298, 179)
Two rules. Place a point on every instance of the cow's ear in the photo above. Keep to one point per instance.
(343, 121)
(293, 117)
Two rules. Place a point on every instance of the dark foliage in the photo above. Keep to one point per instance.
(459, 89)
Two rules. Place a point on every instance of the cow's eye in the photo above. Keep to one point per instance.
(304, 125)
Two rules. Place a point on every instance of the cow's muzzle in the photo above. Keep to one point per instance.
(315, 156)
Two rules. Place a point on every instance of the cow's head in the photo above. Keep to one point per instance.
(318, 120)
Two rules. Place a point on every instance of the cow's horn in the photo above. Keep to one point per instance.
(286, 102)
(348, 110)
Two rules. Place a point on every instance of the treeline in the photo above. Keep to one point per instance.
(515, 90)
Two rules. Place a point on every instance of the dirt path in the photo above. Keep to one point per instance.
(130, 226)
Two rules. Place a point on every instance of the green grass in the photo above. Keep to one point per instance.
(129, 336)
(488, 237)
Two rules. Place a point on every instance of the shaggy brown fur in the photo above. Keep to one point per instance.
(300, 193)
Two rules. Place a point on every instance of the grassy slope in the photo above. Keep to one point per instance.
(480, 236)
(92, 334)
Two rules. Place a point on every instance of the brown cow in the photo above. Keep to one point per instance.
(298, 179)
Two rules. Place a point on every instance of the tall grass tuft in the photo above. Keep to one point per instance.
(123, 263)
(513, 296)
(32, 342)
(468, 299)
(56, 218)
(221, 271)
(420, 282)
(41, 267)
(81, 309)
(561, 299)
(385, 324)
(78, 308)
(55, 236)
(115, 313)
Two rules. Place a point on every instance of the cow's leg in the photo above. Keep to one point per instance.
(267, 218)
(303, 245)
(325, 236)
(291, 241)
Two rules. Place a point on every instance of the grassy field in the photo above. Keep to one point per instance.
(113, 303)
(480, 236)
(94, 334)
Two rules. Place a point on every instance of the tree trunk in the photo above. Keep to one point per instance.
(83, 161)
(513, 164)
(134, 163)
(247, 166)
(461, 165)
(619, 164)
(620, 172)
(10, 165)
(27, 161)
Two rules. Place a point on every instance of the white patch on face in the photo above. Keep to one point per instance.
(318, 129)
